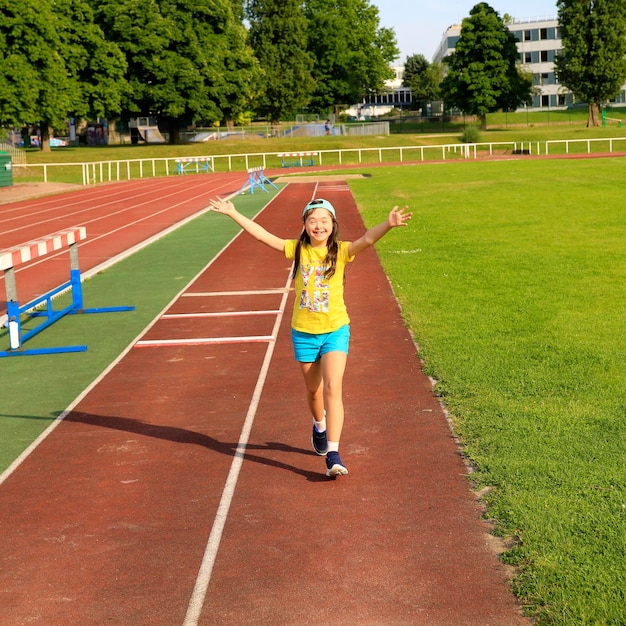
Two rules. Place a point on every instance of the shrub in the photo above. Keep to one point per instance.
(471, 134)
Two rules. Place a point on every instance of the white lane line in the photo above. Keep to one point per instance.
(253, 292)
(201, 341)
(172, 316)
(198, 595)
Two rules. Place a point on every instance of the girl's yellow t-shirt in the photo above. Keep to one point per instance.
(319, 306)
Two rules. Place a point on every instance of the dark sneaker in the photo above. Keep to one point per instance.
(319, 441)
(334, 466)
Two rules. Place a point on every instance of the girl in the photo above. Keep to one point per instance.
(320, 323)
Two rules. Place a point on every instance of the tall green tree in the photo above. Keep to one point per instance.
(237, 86)
(423, 79)
(187, 59)
(31, 65)
(592, 63)
(351, 52)
(96, 64)
(278, 35)
(56, 63)
(483, 75)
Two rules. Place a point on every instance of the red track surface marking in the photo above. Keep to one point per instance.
(117, 217)
(183, 489)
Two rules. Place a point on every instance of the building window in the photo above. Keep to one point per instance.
(544, 56)
(561, 99)
(543, 33)
(545, 101)
(528, 57)
(527, 36)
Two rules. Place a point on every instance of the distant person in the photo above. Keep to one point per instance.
(320, 323)
(327, 127)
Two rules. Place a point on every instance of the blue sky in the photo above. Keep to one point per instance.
(419, 24)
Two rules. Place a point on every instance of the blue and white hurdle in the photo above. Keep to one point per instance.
(194, 164)
(24, 253)
(257, 179)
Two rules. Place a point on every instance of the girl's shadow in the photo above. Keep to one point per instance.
(184, 436)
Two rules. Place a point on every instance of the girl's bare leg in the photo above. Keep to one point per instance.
(312, 373)
(333, 366)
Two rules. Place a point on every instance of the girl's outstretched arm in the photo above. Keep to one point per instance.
(397, 217)
(226, 207)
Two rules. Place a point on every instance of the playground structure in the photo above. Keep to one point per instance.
(145, 129)
(11, 258)
(216, 135)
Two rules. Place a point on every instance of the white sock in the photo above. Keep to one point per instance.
(333, 446)
(320, 427)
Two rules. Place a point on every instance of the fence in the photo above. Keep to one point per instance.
(573, 145)
(111, 171)
(18, 156)
(301, 128)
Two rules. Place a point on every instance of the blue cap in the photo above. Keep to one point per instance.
(319, 203)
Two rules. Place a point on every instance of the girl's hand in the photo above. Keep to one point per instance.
(226, 207)
(399, 217)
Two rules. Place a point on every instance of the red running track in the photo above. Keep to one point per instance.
(182, 488)
(117, 216)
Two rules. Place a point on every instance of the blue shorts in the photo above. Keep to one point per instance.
(308, 348)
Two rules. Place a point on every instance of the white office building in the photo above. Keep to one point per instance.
(538, 41)
(395, 96)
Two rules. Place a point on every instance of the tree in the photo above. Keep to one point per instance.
(96, 64)
(414, 66)
(278, 36)
(30, 62)
(238, 85)
(56, 63)
(592, 63)
(482, 73)
(187, 59)
(423, 79)
(351, 52)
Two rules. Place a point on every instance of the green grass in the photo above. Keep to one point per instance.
(512, 278)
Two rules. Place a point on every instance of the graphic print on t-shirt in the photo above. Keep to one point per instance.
(316, 300)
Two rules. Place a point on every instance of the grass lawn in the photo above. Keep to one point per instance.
(512, 278)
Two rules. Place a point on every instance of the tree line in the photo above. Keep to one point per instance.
(484, 75)
(214, 61)
(220, 61)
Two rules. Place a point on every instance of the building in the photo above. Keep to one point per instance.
(396, 96)
(538, 42)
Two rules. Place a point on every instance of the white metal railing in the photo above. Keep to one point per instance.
(110, 171)
(588, 142)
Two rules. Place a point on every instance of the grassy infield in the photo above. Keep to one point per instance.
(512, 277)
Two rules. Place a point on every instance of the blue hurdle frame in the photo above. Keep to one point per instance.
(15, 311)
(256, 178)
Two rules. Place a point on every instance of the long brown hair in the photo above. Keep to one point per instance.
(332, 247)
